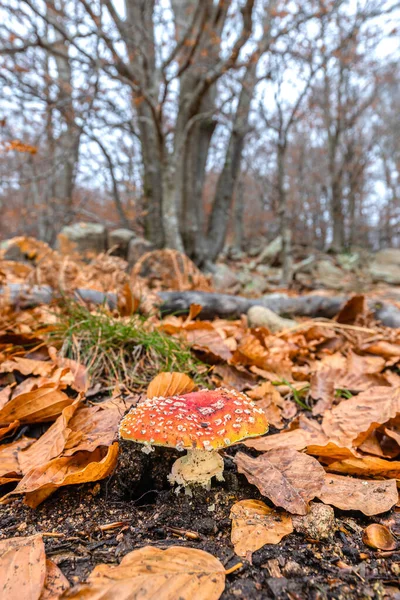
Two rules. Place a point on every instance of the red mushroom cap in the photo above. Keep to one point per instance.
(207, 420)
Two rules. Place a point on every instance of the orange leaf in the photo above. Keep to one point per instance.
(254, 524)
(170, 384)
(82, 467)
(379, 536)
(55, 583)
(22, 568)
(178, 572)
(370, 497)
(37, 406)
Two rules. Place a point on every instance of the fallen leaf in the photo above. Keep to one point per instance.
(4, 431)
(234, 377)
(82, 467)
(351, 422)
(9, 456)
(22, 568)
(322, 388)
(170, 384)
(50, 444)
(178, 572)
(38, 406)
(55, 583)
(355, 307)
(383, 348)
(270, 401)
(254, 524)
(96, 426)
(370, 466)
(369, 497)
(379, 536)
(27, 366)
(287, 477)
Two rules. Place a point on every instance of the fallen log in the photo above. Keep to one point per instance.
(313, 306)
(214, 305)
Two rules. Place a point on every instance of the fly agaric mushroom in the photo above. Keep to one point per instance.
(200, 422)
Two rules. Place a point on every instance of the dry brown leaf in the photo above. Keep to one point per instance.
(354, 308)
(178, 572)
(55, 583)
(234, 377)
(270, 401)
(82, 467)
(5, 395)
(4, 431)
(22, 568)
(40, 405)
(351, 422)
(170, 384)
(27, 366)
(365, 364)
(50, 444)
(202, 336)
(369, 497)
(254, 524)
(9, 456)
(96, 426)
(322, 388)
(379, 536)
(287, 477)
(370, 466)
(383, 348)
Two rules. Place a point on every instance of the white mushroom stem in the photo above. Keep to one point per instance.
(197, 467)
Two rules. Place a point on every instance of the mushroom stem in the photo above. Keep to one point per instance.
(197, 467)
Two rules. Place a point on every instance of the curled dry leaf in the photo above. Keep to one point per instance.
(369, 497)
(370, 466)
(4, 431)
(170, 384)
(351, 422)
(270, 401)
(379, 537)
(50, 444)
(27, 366)
(322, 389)
(82, 467)
(96, 425)
(9, 456)
(254, 524)
(287, 477)
(184, 573)
(22, 568)
(41, 405)
(55, 583)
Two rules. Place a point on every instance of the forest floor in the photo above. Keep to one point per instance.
(315, 513)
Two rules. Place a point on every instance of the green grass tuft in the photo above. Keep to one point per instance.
(125, 350)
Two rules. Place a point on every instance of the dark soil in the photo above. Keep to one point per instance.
(140, 508)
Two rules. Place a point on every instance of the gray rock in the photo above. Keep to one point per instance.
(271, 252)
(386, 266)
(137, 248)
(389, 256)
(224, 278)
(329, 275)
(259, 316)
(88, 239)
(318, 524)
(118, 241)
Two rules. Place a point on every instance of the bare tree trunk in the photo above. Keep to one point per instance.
(67, 144)
(338, 238)
(219, 218)
(238, 216)
(284, 230)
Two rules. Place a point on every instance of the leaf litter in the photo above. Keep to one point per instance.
(83, 514)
